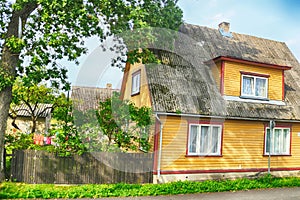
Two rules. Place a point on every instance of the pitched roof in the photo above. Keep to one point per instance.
(240, 46)
(87, 98)
(43, 110)
(185, 83)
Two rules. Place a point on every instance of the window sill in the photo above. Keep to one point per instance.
(276, 155)
(192, 156)
(134, 94)
(254, 98)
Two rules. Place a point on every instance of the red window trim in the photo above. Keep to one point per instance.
(255, 74)
(266, 125)
(166, 172)
(205, 122)
(156, 144)
(255, 63)
(283, 89)
(136, 72)
(222, 77)
(206, 156)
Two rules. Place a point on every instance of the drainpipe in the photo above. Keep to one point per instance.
(160, 147)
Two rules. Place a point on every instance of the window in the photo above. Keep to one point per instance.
(280, 141)
(136, 79)
(254, 86)
(204, 140)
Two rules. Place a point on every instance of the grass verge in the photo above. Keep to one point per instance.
(20, 190)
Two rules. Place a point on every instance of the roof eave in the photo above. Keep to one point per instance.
(243, 61)
(224, 117)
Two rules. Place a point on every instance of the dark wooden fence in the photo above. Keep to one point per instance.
(32, 166)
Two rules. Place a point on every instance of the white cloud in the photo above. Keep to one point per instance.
(214, 20)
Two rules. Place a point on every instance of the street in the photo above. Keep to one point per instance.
(265, 194)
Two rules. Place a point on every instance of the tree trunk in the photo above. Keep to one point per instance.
(5, 99)
(9, 64)
(34, 122)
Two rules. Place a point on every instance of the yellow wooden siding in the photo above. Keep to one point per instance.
(232, 79)
(143, 98)
(243, 147)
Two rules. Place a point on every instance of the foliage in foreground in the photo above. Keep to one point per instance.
(116, 126)
(20, 190)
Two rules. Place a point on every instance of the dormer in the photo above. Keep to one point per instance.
(240, 79)
(135, 85)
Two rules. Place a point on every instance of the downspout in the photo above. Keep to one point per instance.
(160, 147)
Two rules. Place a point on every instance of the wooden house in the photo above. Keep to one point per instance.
(214, 96)
(88, 98)
(20, 119)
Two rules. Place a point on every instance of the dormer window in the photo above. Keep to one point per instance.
(136, 82)
(254, 85)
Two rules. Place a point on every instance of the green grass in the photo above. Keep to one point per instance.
(20, 190)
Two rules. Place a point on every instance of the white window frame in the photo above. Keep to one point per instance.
(198, 140)
(136, 82)
(274, 143)
(253, 95)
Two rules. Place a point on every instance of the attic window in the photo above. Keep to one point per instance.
(136, 82)
(254, 86)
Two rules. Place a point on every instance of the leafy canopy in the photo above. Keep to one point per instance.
(42, 32)
(124, 124)
(35, 100)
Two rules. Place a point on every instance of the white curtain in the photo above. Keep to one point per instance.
(248, 85)
(280, 142)
(205, 139)
(193, 139)
(260, 87)
(215, 139)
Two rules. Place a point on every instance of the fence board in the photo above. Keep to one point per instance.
(31, 166)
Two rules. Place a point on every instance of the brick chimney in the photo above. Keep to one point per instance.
(224, 29)
(225, 26)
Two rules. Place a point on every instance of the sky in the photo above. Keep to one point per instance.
(272, 19)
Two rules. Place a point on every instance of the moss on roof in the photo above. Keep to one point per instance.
(184, 82)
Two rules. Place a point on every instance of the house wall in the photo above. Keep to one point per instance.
(143, 98)
(242, 151)
(25, 124)
(232, 79)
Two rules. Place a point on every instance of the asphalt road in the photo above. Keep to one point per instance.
(266, 194)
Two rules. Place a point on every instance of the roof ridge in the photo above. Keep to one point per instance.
(93, 87)
(237, 33)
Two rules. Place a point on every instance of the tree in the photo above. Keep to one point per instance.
(124, 124)
(35, 100)
(44, 31)
(90, 132)
(66, 134)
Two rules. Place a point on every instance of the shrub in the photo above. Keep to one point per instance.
(21, 190)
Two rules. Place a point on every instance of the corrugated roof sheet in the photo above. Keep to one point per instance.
(43, 110)
(185, 84)
(241, 46)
